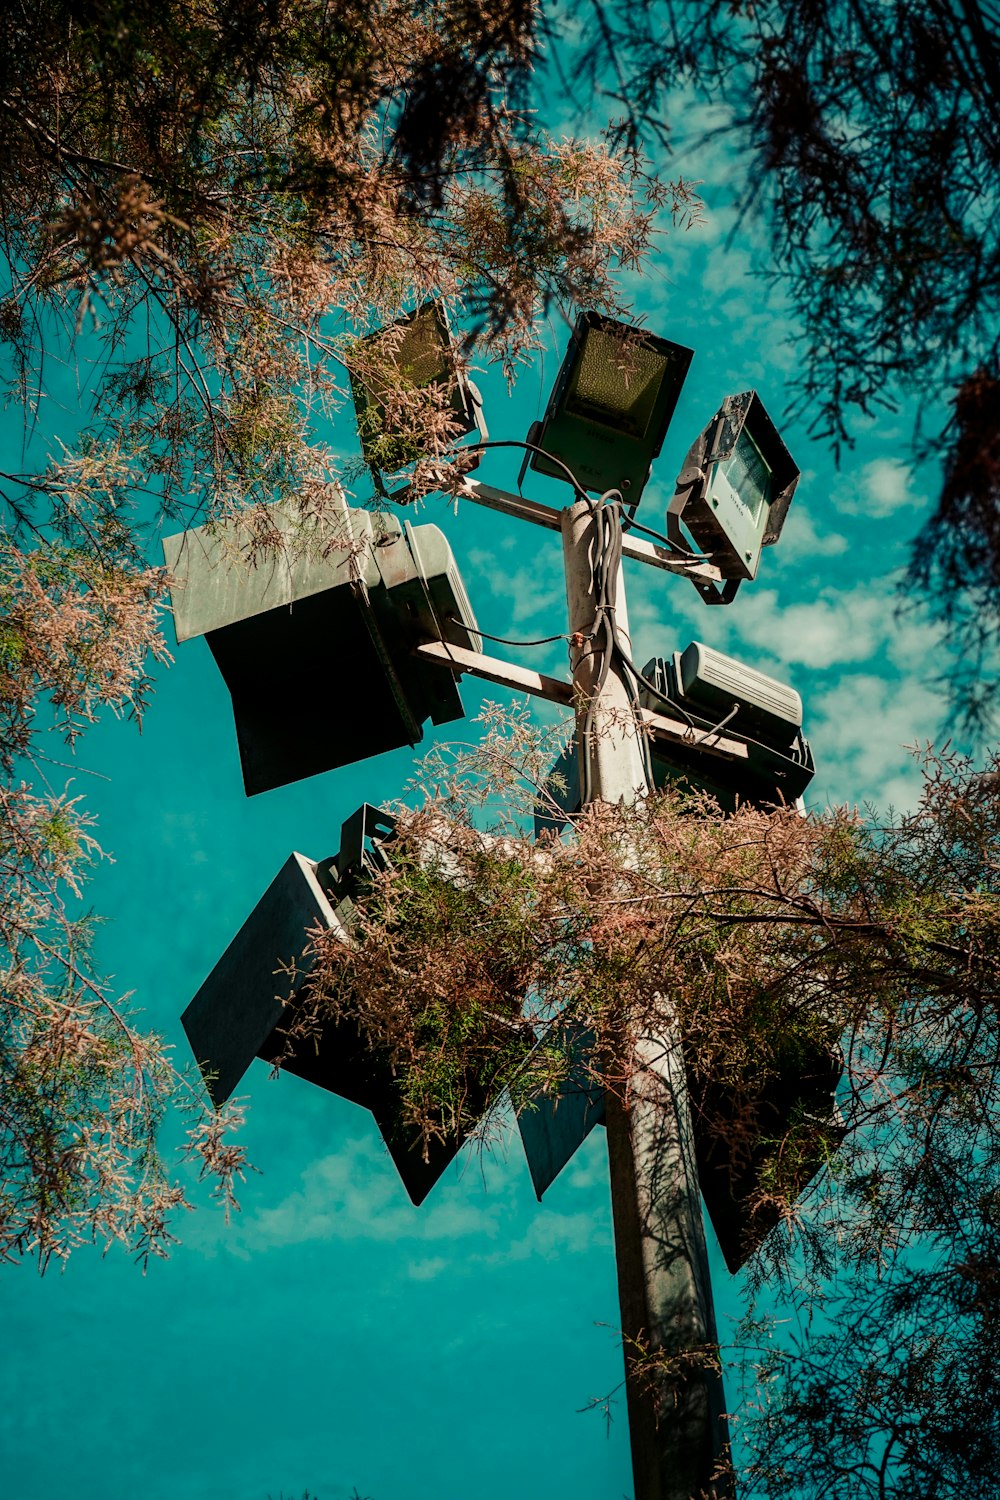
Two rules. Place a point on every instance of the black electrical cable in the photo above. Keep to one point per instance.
(679, 708)
(600, 626)
(658, 536)
(628, 524)
(607, 562)
(657, 693)
(636, 703)
(613, 564)
(716, 727)
(628, 675)
(604, 630)
(529, 448)
(608, 513)
(748, 739)
(607, 567)
(545, 640)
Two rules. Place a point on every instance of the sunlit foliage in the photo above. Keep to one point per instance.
(204, 204)
(770, 939)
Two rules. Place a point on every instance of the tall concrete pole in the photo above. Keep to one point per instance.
(676, 1423)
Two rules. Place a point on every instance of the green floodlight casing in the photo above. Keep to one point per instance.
(735, 488)
(707, 688)
(315, 642)
(730, 1162)
(710, 687)
(244, 1007)
(418, 351)
(610, 407)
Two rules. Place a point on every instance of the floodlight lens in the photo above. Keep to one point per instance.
(413, 354)
(749, 475)
(616, 382)
(423, 355)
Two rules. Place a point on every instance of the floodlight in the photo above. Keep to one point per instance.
(800, 1094)
(232, 1018)
(246, 1004)
(610, 407)
(316, 642)
(729, 1160)
(719, 693)
(416, 353)
(716, 684)
(735, 488)
(713, 693)
(554, 1124)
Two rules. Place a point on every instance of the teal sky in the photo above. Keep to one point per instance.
(333, 1336)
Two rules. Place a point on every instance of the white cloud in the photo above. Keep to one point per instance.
(912, 644)
(835, 628)
(877, 489)
(860, 731)
(886, 486)
(801, 541)
(354, 1193)
(553, 1235)
(588, 1169)
(534, 592)
(428, 1270)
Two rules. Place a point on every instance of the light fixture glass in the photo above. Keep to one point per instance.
(734, 490)
(610, 407)
(413, 355)
(616, 382)
(748, 476)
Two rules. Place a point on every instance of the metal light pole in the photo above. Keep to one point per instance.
(676, 1422)
(675, 1414)
(398, 598)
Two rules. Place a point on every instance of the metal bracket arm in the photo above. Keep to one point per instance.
(634, 547)
(523, 680)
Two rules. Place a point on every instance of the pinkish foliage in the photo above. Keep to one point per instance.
(248, 193)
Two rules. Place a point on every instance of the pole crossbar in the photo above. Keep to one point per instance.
(556, 690)
(634, 547)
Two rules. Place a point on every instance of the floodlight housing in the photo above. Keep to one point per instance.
(234, 1015)
(416, 352)
(555, 1123)
(243, 1009)
(704, 686)
(735, 488)
(315, 642)
(801, 1093)
(610, 407)
(716, 683)
(767, 715)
